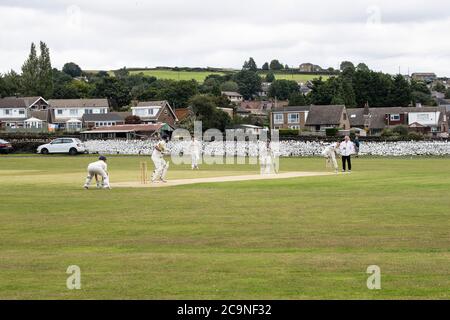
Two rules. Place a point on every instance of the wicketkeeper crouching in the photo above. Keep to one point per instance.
(98, 168)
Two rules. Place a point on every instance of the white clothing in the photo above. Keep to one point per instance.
(194, 148)
(330, 153)
(161, 166)
(347, 148)
(97, 168)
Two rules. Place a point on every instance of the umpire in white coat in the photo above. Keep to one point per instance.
(347, 148)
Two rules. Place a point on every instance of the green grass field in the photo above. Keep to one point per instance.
(201, 75)
(300, 238)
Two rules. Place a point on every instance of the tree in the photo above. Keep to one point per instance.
(346, 64)
(229, 86)
(270, 77)
(30, 73)
(45, 74)
(362, 67)
(133, 120)
(249, 83)
(275, 65)
(447, 94)
(265, 66)
(205, 109)
(283, 89)
(439, 87)
(250, 65)
(297, 99)
(400, 93)
(72, 69)
(10, 84)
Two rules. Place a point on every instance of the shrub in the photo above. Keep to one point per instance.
(387, 133)
(400, 130)
(331, 132)
(289, 132)
(415, 136)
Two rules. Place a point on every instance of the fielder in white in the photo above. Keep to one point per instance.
(98, 168)
(330, 154)
(266, 158)
(194, 148)
(161, 166)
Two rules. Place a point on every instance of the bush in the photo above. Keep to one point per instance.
(401, 130)
(415, 136)
(387, 133)
(289, 132)
(331, 132)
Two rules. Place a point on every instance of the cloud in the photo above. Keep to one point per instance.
(111, 34)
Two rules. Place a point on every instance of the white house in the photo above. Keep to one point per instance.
(233, 96)
(15, 111)
(68, 113)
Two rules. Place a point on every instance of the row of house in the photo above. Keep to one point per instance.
(77, 114)
(431, 121)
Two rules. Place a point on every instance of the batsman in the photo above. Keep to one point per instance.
(161, 165)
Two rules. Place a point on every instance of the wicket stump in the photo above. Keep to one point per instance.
(144, 173)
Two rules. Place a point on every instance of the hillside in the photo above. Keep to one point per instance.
(200, 75)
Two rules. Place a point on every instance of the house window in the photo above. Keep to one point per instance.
(344, 116)
(103, 111)
(21, 112)
(8, 112)
(423, 117)
(293, 118)
(88, 111)
(60, 112)
(294, 127)
(74, 112)
(395, 117)
(278, 118)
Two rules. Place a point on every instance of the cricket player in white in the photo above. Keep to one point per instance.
(266, 156)
(99, 168)
(194, 148)
(330, 153)
(161, 166)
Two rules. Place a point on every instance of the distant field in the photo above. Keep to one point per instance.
(200, 76)
(177, 75)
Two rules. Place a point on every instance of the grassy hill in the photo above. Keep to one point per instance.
(200, 76)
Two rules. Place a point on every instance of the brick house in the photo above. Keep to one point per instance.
(155, 111)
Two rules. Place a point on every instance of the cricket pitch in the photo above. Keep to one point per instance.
(171, 183)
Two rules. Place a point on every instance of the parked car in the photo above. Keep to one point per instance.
(71, 146)
(5, 146)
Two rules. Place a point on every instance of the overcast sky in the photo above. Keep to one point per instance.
(109, 34)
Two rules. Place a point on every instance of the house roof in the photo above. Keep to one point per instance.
(292, 109)
(183, 113)
(42, 115)
(324, 115)
(161, 103)
(122, 114)
(92, 117)
(18, 102)
(231, 93)
(356, 117)
(78, 103)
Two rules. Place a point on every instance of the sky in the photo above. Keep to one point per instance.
(387, 35)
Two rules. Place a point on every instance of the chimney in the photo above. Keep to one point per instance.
(366, 109)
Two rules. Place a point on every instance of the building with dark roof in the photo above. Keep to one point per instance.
(155, 111)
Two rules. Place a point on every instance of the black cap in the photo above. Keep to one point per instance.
(103, 158)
